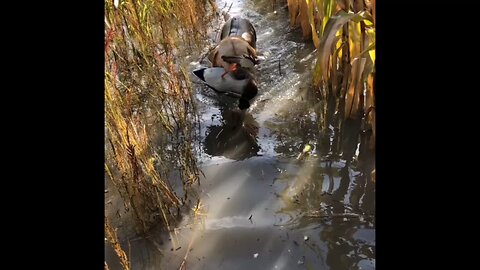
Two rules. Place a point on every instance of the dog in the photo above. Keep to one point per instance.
(232, 62)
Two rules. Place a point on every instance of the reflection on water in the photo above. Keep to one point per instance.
(235, 138)
(306, 214)
(345, 210)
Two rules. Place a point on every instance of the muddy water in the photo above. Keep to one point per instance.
(262, 207)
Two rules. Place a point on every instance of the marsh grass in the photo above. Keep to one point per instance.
(344, 76)
(111, 237)
(150, 115)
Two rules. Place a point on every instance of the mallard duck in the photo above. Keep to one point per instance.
(239, 83)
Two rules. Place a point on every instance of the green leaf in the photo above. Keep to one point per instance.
(372, 55)
(333, 25)
(328, 6)
(307, 148)
(311, 20)
(370, 48)
(328, 38)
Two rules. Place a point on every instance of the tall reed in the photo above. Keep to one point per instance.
(343, 31)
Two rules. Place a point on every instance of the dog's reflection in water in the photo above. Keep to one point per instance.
(236, 138)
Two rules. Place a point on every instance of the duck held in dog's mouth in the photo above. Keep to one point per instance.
(239, 83)
(233, 61)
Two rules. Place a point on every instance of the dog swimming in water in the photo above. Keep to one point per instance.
(233, 61)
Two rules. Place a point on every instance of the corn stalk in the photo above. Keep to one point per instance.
(343, 31)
